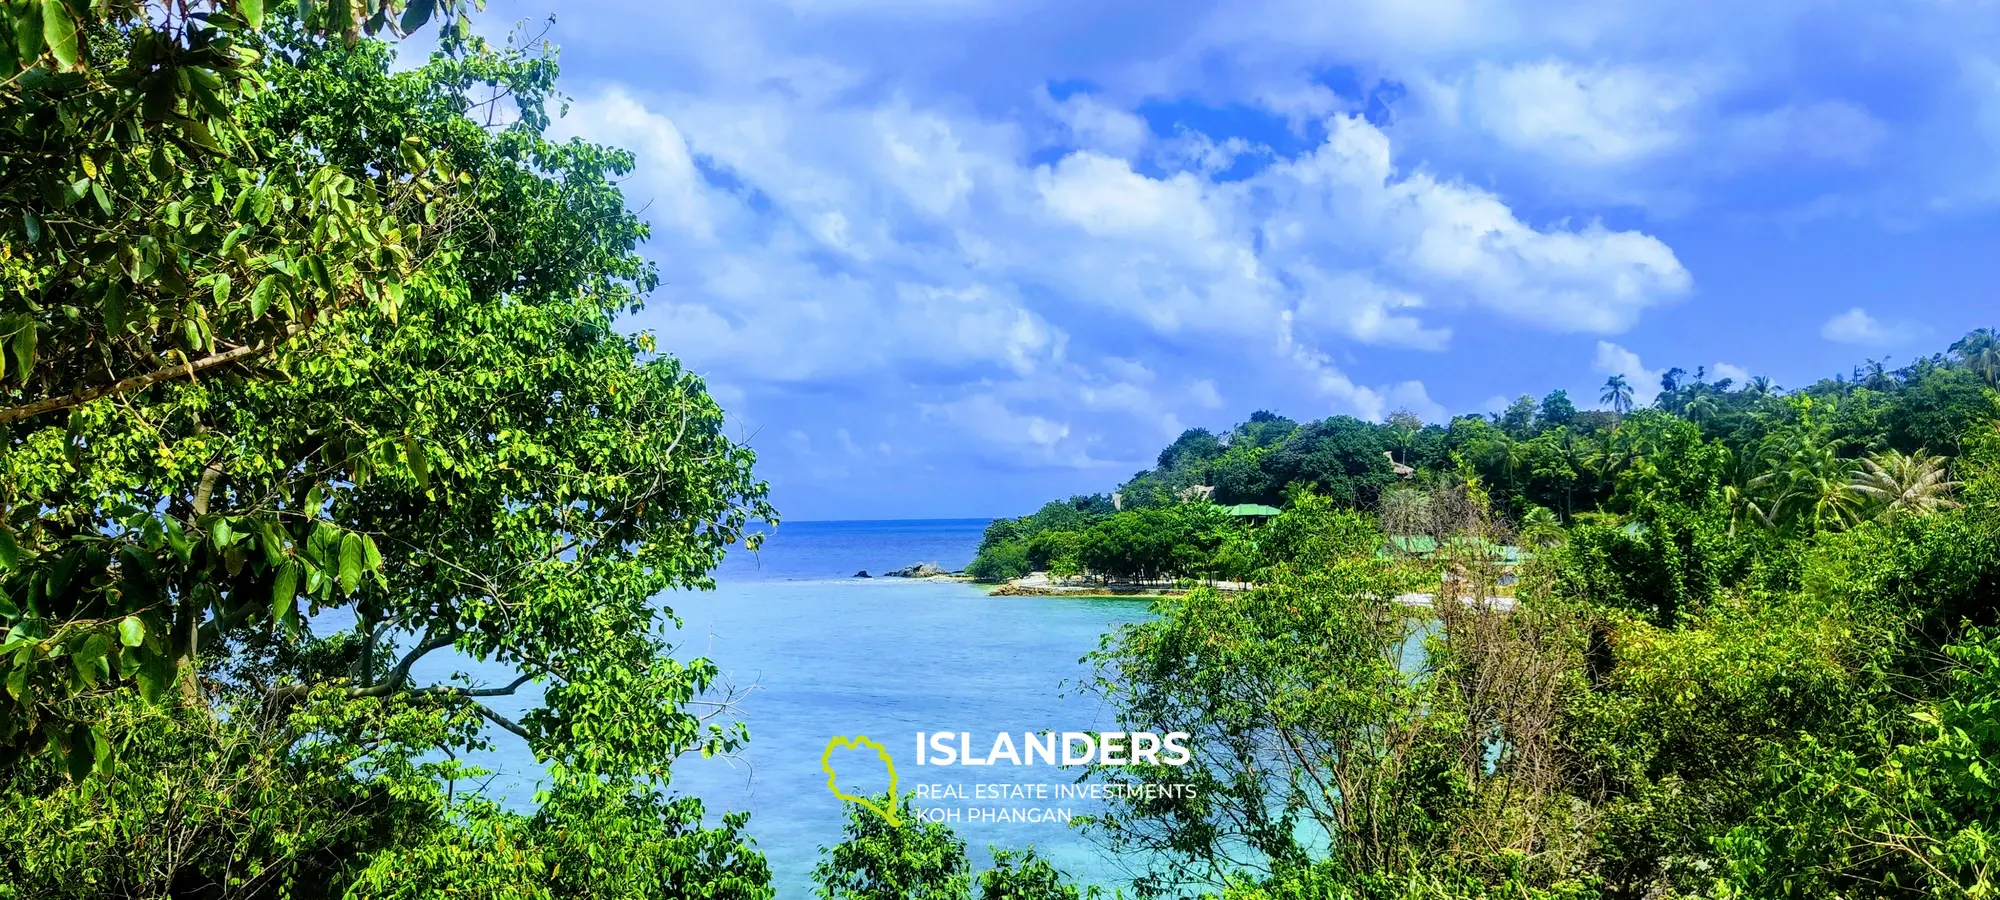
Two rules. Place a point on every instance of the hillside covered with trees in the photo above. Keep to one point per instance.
(1828, 455)
(1751, 651)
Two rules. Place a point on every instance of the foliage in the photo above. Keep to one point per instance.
(466, 455)
(915, 860)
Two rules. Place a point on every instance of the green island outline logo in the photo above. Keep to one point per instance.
(855, 743)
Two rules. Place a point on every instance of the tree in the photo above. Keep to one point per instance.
(1022, 875)
(1556, 411)
(1979, 351)
(1518, 420)
(491, 467)
(153, 236)
(916, 860)
(1194, 447)
(1618, 394)
(1897, 484)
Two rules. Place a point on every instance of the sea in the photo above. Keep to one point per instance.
(817, 653)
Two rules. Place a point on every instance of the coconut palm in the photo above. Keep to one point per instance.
(1701, 409)
(1759, 385)
(1980, 352)
(1617, 393)
(1746, 504)
(1540, 527)
(1805, 483)
(1896, 484)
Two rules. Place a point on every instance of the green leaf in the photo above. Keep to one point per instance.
(10, 551)
(199, 134)
(221, 288)
(59, 31)
(350, 562)
(252, 12)
(33, 226)
(420, 467)
(131, 631)
(114, 306)
(94, 648)
(101, 749)
(22, 345)
(274, 549)
(260, 297)
(284, 589)
(17, 681)
(417, 13)
(229, 243)
(103, 199)
(28, 32)
(155, 672)
(220, 532)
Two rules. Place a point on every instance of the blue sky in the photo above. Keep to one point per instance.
(956, 257)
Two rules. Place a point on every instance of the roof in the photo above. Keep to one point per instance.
(1253, 509)
(1425, 545)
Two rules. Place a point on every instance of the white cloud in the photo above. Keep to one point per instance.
(922, 256)
(1592, 115)
(1856, 326)
(1204, 395)
(1722, 370)
(1830, 131)
(1093, 124)
(1615, 360)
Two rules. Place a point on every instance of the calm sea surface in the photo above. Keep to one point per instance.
(826, 654)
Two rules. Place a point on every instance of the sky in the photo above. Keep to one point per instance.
(944, 258)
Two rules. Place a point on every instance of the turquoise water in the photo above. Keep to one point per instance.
(826, 654)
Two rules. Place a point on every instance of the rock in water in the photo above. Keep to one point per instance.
(919, 570)
(862, 574)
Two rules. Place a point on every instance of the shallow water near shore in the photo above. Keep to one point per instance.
(825, 654)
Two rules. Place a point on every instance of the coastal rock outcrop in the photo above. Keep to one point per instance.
(863, 574)
(918, 570)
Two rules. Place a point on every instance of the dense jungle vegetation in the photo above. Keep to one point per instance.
(1751, 651)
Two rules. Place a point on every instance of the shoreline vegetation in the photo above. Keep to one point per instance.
(292, 328)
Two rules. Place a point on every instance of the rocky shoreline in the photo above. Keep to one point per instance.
(922, 572)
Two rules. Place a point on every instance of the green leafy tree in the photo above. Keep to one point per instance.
(1556, 411)
(915, 860)
(487, 466)
(1022, 875)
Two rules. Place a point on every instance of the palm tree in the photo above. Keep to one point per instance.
(1540, 527)
(1739, 492)
(1618, 394)
(1896, 484)
(1700, 409)
(1805, 482)
(1759, 385)
(1980, 352)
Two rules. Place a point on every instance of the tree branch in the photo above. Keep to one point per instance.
(503, 721)
(140, 382)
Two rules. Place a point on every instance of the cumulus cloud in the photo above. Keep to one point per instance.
(1615, 360)
(1594, 115)
(1857, 327)
(1018, 303)
(1722, 370)
(1090, 123)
